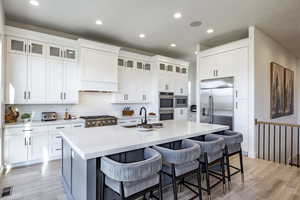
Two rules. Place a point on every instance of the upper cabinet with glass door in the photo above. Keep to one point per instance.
(26, 47)
(59, 52)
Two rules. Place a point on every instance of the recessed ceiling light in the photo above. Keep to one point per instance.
(173, 45)
(99, 22)
(142, 35)
(196, 52)
(34, 2)
(177, 15)
(210, 31)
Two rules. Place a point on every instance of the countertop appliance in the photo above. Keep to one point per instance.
(181, 101)
(217, 101)
(166, 106)
(102, 120)
(49, 116)
(193, 108)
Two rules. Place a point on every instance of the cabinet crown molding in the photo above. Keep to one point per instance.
(11, 31)
(128, 54)
(98, 46)
(171, 61)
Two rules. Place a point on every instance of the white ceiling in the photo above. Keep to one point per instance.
(124, 20)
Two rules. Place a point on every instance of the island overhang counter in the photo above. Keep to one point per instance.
(83, 148)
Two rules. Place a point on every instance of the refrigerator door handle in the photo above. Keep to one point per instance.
(212, 109)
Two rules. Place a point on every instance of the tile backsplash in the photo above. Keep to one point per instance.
(89, 104)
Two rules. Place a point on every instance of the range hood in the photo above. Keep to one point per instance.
(98, 66)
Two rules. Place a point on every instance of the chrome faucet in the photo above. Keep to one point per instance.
(145, 119)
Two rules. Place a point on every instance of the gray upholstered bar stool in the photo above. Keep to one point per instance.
(180, 162)
(133, 180)
(233, 141)
(212, 152)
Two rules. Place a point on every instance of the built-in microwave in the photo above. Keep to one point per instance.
(181, 101)
(166, 100)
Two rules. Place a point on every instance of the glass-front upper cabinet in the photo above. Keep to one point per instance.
(17, 45)
(162, 66)
(36, 48)
(170, 68)
(139, 65)
(147, 67)
(121, 62)
(70, 54)
(55, 52)
(130, 63)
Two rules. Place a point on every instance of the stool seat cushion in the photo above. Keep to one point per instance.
(189, 151)
(181, 169)
(132, 187)
(232, 139)
(133, 171)
(213, 146)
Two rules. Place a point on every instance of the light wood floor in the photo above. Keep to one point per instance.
(263, 180)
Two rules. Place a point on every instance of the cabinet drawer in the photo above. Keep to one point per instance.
(59, 127)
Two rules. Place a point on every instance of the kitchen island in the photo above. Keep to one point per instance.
(83, 149)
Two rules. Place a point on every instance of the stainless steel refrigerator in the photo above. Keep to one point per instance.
(217, 101)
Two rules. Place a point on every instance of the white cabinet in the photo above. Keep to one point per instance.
(135, 81)
(25, 72)
(38, 143)
(241, 120)
(15, 147)
(242, 80)
(62, 76)
(55, 81)
(39, 73)
(181, 114)
(98, 66)
(206, 67)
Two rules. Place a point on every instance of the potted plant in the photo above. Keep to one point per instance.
(26, 117)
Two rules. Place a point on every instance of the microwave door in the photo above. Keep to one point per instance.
(205, 106)
(222, 106)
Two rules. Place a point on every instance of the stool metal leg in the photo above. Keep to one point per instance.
(207, 175)
(241, 164)
(228, 167)
(160, 187)
(174, 182)
(102, 185)
(122, 195)
(199, 181)
(223, 173)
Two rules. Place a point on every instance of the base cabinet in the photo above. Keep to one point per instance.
(181, 114)
(23, 146)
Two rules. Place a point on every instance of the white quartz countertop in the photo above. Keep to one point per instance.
(96, 142)
(43, 123)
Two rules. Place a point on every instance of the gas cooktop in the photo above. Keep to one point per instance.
(100, 120)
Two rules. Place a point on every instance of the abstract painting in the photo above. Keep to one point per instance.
(288, 92)
(277, 91)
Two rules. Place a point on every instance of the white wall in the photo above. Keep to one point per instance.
(266, 51)
(298, 91)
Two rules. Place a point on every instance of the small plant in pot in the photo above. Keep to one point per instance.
(26, 117)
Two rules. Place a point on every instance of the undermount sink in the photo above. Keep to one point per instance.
(145, 126)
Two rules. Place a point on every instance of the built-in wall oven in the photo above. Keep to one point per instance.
(166, 100)
(181, 101)
(166, 106)
(166, 114)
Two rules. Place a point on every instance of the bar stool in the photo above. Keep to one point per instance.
(233, 141)
(133, 180)
(212, 152)
(181, 162)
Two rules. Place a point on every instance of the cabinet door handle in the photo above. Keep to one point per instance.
(236, 93)
(28, 130)
(65, 53)
(77, 126)
(61, 127)
(236, 105)
(29, 95)
(61, 95)
(29, 140)
(58, 137)
(24, 94)
(25, 48)
(65, 95)
(217, 72)
(25, 143)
